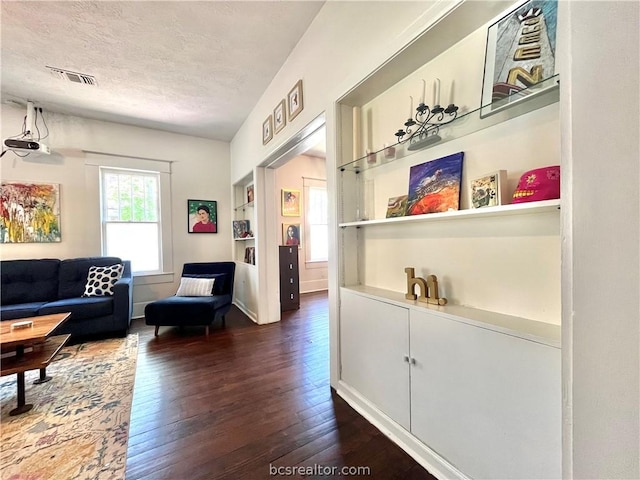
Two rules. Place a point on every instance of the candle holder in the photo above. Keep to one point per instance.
(424, 128)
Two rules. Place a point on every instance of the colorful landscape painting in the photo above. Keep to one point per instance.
(29, 212)
(434, 186)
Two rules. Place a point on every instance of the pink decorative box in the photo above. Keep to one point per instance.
(539, 184)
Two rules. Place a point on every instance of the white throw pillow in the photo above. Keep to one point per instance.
(195, 287)
(101, 280)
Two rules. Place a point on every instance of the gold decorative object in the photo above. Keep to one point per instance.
(428, 288)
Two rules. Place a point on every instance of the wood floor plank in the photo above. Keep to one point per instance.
(246, 399)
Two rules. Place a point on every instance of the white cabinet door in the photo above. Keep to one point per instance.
(374, 338)
(487, 402)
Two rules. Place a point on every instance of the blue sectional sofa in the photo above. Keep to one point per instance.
(45, 286)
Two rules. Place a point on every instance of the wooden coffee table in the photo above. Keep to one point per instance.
(30, 348)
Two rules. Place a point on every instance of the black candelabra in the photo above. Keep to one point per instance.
(424, 128)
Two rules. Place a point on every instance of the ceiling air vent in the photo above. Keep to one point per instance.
(74, 77)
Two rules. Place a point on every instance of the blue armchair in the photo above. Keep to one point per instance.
(196, 311)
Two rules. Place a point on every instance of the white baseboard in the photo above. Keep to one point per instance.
(246, 311)
(430, 460)
(138, 309)
(314, 285)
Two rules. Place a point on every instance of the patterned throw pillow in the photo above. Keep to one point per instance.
(101, 280)
(195, 287)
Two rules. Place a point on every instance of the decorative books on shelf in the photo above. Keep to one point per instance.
(241, 229)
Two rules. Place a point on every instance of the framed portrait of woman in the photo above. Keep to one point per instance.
(202, 216)
(291, 234)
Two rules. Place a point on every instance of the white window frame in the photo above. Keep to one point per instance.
(309, 183)
(94, 161)
(105, 222)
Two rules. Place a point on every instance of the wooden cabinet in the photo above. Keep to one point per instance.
(289, 278)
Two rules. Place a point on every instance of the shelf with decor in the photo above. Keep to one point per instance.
(497, 211)
(539, 95)
(244, 206)
(450, 209)
(243, 221)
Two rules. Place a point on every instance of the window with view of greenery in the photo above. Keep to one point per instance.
(131, 226)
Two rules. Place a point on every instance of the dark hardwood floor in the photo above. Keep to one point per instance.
(248, 402)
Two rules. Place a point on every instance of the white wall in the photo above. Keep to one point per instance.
(200, 170)
(345, 43)
(600, 286)
(313, 276)
(601, 254)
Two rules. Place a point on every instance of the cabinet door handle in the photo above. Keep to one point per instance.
(406, 358)
(291, 266)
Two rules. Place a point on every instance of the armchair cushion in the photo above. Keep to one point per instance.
(220, 283)
(195, 287)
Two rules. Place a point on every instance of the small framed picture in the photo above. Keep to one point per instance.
(250, 193)
(397, 206)
(290, 203)
(489, 190)
(295, 102)
(203, 216)
(291, 234)
(280, 117)
(267, 130)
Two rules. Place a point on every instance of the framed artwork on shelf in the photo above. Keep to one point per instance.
(241, 229)
(291, 234)
(489, 190)
(29, 212)
(202, 216)
(520, 53)
(397, 206)
(280, 116)
(250, 255)
(250, 193)
(290, 203)
(295, 102)
(267, 130)
(434, 186)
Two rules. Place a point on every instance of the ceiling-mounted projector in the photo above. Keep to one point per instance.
(27, 146)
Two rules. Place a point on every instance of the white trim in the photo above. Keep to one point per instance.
(252, 315)
(421, 453)
(95, 160)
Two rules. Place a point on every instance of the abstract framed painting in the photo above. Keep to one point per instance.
(29, 212)
(434, 186)
(520, 55)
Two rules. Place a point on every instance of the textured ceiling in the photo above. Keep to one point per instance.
(187, 67)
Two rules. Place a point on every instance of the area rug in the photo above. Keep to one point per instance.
(79, 425)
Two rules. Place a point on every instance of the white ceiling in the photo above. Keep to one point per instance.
(191, 67)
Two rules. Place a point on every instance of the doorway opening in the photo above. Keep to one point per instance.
(297, 184)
